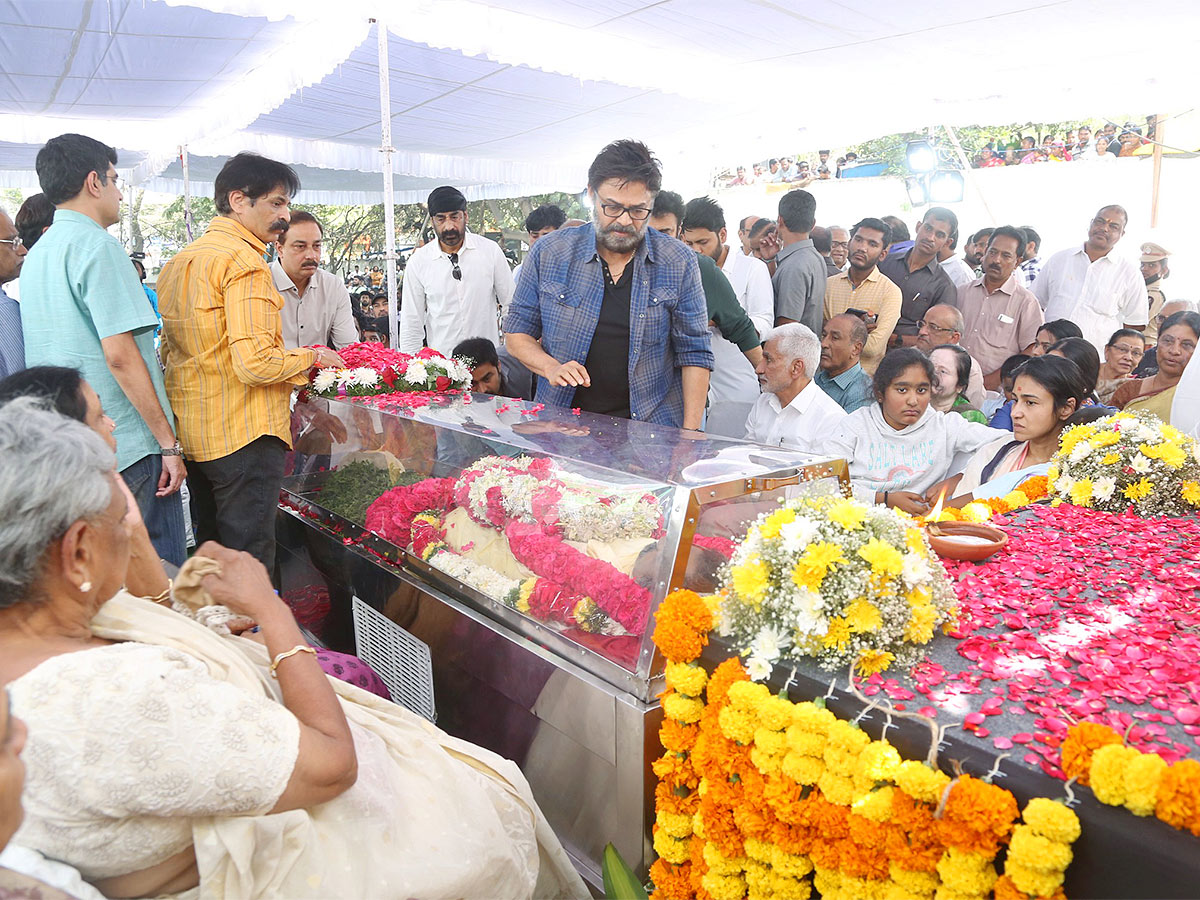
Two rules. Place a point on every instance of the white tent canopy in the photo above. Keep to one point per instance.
(508, 97)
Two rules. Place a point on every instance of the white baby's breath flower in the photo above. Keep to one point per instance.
(1080, 451)
(758, 668)
(798, 534)
(1140, 464)
(325, 379)
(1102, 488)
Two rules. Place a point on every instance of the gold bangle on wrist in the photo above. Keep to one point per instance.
(299, 648)
(164, 596)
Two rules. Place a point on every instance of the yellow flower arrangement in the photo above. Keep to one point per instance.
(1142, 778)
(1052, 820)
(686, 678)
(830, 577)
(681, 708)
(970, 874)
(1129, 459)
(921, 782)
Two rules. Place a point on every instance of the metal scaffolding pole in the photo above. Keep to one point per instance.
(386, 148)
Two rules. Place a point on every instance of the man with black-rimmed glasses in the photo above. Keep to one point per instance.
(611, 316)
(455, 287)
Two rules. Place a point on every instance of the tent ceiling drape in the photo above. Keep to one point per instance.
(507, 97)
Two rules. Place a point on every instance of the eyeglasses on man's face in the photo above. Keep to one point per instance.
(16, 242)
(456, 272)
(616, 210)
(921, 323)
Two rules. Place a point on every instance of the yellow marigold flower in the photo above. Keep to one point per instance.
(770, 741)
(837, 789)
(526, 591)
(776, 520)
(841, 761)
(775, 713)
(919, 629)
(879, 761)
(1111, 458)
(1016, 498)
(1191, 492)
(736, 724)
(913, 880)
(673, 850)
(1107, 775)
(686, 678)
(1140, 489)
(698, 823)
(837, 637)
(802, 769)
(967, 873)
(1031, 882)
(724, 887)
(845, 736)
(750, 579)
(682, 709)
(677, 825)
(977, 512)
(1142, 777)
(748, 695)
(872, 661)
(758, 850)
(767, 763)
(1081, 492)
(1038, 853)
(720, 864)
(810, 717)
(875, 805)
(921, 782)
(814, 562)
(1052, 473)
(784, 886)
(1052, 820)
(805, 742)
(847, 513)
(791, 865)
(863, 616)
(883, 557)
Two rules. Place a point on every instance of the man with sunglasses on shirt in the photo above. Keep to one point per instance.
(611, 316)
(455, 287)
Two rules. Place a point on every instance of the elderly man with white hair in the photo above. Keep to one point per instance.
(792, 410)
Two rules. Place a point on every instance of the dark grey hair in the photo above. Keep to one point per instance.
(54, 471)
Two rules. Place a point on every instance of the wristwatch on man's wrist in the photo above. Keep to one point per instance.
(177, 450)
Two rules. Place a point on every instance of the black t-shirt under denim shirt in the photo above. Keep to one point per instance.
(607, 361)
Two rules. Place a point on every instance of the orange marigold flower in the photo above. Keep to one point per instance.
(978, 816)
(1179, 796)
(682, 625)
(671, 882)
(675, 770)
(678, 737)
(722, 679)
(1084, 739)
(1036, 487)
(667, 799)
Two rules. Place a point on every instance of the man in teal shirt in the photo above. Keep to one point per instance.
(83, 306)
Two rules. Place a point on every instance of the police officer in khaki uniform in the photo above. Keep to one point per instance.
(1154, 270)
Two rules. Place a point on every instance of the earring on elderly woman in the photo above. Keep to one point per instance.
(85, 587)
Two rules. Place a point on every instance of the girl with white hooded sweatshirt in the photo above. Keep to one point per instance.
(899, 447)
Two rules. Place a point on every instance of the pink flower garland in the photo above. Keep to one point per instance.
(550, 557)
(1086, 615)
(392, 514)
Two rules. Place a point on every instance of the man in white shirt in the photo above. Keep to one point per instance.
(960, 273)
(456, 287)
(316, 304)
(733, 386)
(792, 410)
(1097, 290)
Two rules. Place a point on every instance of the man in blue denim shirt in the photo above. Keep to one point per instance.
(611, 316)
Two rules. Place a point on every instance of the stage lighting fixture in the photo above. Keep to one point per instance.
(921, 156)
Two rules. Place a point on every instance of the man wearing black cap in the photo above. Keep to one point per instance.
(456, 287)
(611, 316)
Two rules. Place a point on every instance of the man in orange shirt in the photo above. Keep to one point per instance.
(228, 374)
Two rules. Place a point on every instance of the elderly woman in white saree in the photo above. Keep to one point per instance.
(164, 759)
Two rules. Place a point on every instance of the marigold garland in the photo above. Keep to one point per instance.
(762, 797)
(1143, 783)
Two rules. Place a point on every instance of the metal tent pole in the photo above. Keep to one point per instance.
(187, 193)
(1160, 130)
(969, 173)
(386, 148)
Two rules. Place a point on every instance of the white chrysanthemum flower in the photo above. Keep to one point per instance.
(798, 534)
(769, 643)
(416, 373)
(807, 608)
(1140, 464)
(916, 569)
(1147, 435)
(1102, 488)
(345, 377)
(365, 377)
(325, 379)
(1080, 451)
(758, 669)
(1064, 484)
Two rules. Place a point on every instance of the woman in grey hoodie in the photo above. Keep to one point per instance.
(899, 447)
